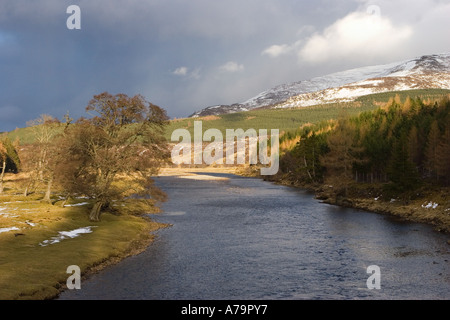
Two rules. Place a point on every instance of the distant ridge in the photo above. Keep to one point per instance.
(425, 72)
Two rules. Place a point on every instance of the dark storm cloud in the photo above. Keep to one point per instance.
(186, 55)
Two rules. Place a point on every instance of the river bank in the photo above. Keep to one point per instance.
(38, 272)
(39, 241)
(246, 238)
(431, 206)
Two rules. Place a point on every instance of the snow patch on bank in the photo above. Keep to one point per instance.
(430, 205)
(66, 235)
(8, 229)
(76, 204)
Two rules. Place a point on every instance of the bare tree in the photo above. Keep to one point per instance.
(44, 129)
(3, 158)
(8, 157)
(123, 141)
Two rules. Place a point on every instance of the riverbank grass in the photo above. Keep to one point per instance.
(38, 241)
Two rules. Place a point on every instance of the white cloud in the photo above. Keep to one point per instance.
(187, 73)
(195, 74)
(232, 66)
(181, 71)
(306, 30)
(359, 35)
(432, 29)
(277, 50)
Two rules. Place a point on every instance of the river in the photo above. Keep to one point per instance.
(244, 238)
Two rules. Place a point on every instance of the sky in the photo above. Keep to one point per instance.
(185, 55)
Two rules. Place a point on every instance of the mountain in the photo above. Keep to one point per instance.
(430, 71)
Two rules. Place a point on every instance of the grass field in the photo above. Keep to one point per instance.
(39, 241)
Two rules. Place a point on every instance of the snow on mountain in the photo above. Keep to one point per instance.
(430, 71)
(350, 92)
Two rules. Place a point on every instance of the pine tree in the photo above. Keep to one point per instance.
(431, 150)
(341, 157)
(401, 170)
(407, 106)
(443, 157)
(414, 146)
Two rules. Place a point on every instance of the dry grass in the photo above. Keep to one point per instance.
(32, 270)
(209, 118)
(432, 208)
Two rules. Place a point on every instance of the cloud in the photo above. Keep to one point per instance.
(195, 74)
(432, 28)
(231, 66)
(181, 71)
(185, 72)
(358, 35)
(277, 50)
(174, 52)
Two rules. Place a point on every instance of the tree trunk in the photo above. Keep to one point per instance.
(314, 163)
(49, 191)
(96, 211)
(2, 175)
(306, 167)
(28, 188)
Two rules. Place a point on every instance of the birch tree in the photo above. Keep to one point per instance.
(8, 156)
(124, 140)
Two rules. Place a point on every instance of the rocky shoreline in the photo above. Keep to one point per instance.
(425, 209)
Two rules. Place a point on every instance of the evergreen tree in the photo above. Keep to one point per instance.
(414, 146)
(341, 157)
(308, 152)
(443, 157)
(431, 150)
(401, 170)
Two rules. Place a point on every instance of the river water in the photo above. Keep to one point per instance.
(244, 238)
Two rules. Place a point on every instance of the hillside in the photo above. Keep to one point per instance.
(286, 119)
(431, 71)
(290, 119)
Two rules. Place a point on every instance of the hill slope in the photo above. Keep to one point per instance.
(431, 71)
